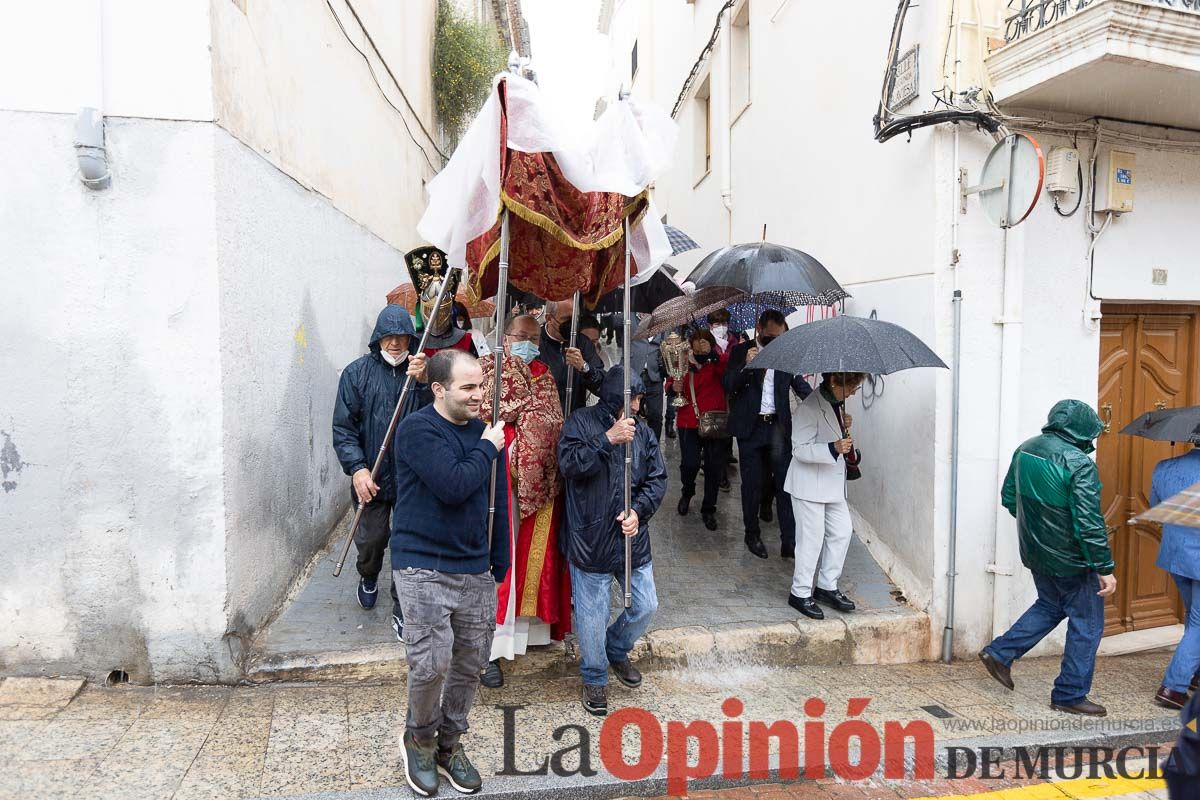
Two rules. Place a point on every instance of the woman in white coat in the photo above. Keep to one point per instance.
(816, 481)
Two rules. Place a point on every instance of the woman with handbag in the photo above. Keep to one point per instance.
(823, 459)
(702, 425)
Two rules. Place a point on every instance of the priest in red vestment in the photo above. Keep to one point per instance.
(534, 602)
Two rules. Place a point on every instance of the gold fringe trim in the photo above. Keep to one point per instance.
(548, 225)
(536, 561)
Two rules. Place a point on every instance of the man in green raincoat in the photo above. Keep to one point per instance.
(1053, 489)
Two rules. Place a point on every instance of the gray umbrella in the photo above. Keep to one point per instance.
(771, 273)
(846, 344)
(1167, 425)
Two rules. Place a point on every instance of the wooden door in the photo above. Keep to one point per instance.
(1147, 361)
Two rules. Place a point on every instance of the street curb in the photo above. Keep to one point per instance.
(897, 635)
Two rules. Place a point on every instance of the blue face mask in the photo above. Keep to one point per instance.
(526, 351)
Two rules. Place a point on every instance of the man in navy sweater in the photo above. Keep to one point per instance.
(444, 566)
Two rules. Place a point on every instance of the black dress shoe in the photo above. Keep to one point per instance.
(806, 606)
(757, 547)
(492, 677)
(765, 514)
(684, 502)
(1085, 707)
(833, 598)
(1168, 698)
(1001, 673)
(710, 520)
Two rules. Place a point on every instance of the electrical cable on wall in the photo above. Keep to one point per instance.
(375, 78)
(704, 53)
(873, 386)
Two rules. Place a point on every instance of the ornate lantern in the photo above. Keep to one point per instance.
(675, 354)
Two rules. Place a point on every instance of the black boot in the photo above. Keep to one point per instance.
(684, 502)
(492, 677)
(710, 519)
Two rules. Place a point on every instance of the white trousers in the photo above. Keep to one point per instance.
(823, 532)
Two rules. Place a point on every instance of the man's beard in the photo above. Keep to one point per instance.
(461, 411)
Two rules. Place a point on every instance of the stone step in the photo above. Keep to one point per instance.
(896, 635)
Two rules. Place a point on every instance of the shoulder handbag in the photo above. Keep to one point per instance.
(710, 424)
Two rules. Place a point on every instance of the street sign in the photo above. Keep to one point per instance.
(1011, 181)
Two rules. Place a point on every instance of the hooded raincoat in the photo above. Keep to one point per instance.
(595, 482)
(1053, 489)
(367, 394)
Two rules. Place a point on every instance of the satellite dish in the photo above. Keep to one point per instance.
(1011, 182)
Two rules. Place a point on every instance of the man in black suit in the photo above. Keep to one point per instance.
(555, 354)
(762, 423)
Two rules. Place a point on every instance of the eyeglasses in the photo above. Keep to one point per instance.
(520, 337)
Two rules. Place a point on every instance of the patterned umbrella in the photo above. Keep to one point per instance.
(771, 273)
(687, 309)
(680, 241)
(1181, 509)
(405, 295)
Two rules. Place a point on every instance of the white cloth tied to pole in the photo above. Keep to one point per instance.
(624, 151)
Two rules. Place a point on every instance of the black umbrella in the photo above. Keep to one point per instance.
(1167, 425)
(846, 344)
(647, 296)
(770, 273)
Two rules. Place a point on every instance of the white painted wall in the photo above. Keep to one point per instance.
(130, 58)
(288, 83)
(114, 525)
(300, 285)
(172, 344)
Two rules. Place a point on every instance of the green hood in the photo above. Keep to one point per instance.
(1075, 422)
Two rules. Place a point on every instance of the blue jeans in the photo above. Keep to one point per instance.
(598, 647)
(1186, 660)
(1072, 598)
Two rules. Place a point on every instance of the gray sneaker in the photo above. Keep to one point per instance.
(458, 770)
(420, 766)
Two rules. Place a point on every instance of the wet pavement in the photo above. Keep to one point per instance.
(704, 578)
(189, 743)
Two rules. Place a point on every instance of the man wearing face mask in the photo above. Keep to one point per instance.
(760, 417)
(533, 604)
(367, 395)
(553, 351)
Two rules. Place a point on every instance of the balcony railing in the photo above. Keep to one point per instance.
(1031, 16)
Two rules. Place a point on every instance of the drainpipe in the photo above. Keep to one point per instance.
(89, 124)
(1005, 544)
(956, 365)
(726, 125)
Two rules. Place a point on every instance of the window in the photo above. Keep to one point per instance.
(633, 63)
(702, 130)
(739, 61)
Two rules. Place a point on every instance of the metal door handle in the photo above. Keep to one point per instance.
(1107, 410)
(1160, 405)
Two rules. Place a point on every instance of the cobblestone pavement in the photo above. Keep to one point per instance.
(703, 577)
(189, 743)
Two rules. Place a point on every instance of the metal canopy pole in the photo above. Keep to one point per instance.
(628, 446)
(571, 344)
(498, 370)
(391, 431)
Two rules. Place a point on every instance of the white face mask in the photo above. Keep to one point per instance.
(395, 362)
(720, 331)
